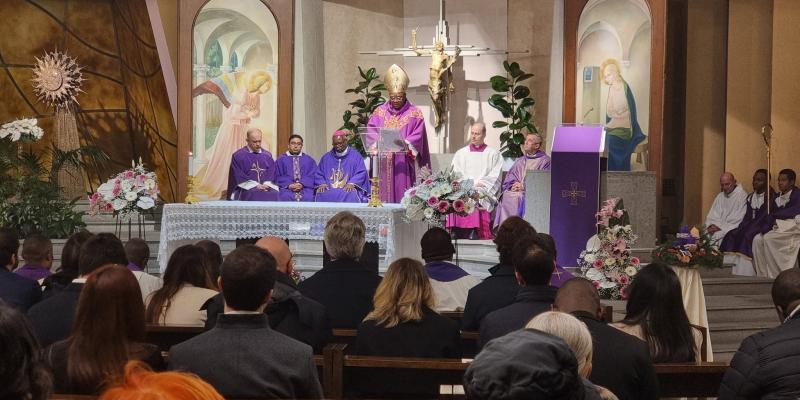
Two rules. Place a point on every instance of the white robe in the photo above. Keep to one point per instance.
(482, 167)
(777, 250)
(727, 212)
(452, 296)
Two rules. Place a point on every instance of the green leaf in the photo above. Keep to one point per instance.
(522, 115)
(526, 102)
(380, 101)
(502, 106)
(519, 138)
(499, 83)
(361, 72)
(499, 124)
(379, 87)
(514, 70)
(523, 76)
(370, 74)
(347, 115)
(350, 91)
(504, 136)
(360, 103)
(506, 66)
(521, 92)
(532, 128)
(497, 96)
(516, 126)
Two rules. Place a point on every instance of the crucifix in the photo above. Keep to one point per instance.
(258, 170)
(443, 57)
(573, 193)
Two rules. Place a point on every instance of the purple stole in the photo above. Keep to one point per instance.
(444, 271)
(291, 169)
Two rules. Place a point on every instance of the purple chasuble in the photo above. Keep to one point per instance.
(396, 170)
(444, 271)
(291, 169)
(789, 210)
(33, 271)
(559, 276)
(740, 239)
(133, 267)
(336, 171)
(249, 166)
(513, 203)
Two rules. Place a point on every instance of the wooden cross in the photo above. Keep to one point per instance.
(258, 170)
(573, 193)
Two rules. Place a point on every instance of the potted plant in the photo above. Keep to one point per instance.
(514, 101)
(369, 98)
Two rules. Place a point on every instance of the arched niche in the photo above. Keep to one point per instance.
(253, 39)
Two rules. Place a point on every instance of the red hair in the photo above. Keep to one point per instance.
(140, 383)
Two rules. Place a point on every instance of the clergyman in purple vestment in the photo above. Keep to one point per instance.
(341, 176)
(294, 173)
(739, 241)
(512, 201)
(252, 172)
(397, 172)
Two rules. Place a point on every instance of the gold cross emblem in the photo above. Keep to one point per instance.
(258, 170)
(573, 193)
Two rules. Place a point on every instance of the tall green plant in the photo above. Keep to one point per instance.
(369, 98)
(514, 101)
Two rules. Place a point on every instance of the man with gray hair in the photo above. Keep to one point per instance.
(728, 209)
(512, 201)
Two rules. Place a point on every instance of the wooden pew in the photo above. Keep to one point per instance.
(166, 336)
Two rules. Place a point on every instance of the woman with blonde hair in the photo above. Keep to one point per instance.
(577, 336)
(402, 322)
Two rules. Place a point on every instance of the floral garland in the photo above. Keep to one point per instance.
(129, 192)
(609, 265)
(446, 192)
(25, 129)
(690, 248)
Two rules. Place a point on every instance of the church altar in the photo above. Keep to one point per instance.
(229, 220)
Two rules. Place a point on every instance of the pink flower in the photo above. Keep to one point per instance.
(623, 291)
(428, 181)
(109, 207)
(128, 174)
(596, 284)
(623, 279)
(413, 192)
(635, 260)
(620, 246)
(115, 192)
(456, 186)
(432, 201)
(458, 205)
(140, 180)
(443, 206)
(598, 264)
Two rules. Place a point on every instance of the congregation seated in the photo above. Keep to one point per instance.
(739, 240)
(186, 288)
(727, 210)
(559, 275)
(52, 318)
(108, 331)
(37, 251)
(776, 246)
(450, 283)
(289, 312)
(23, 372)
(138, 252)
(403, 322)
(620, 362)
(68, 270)
(655, 314)
(17, 291)
(577, 337)
(139, 382)
(242, 357)
(533, 267)
(526, 364)
(213, 259)
(344, 286)
(499, 289)
(765, 366)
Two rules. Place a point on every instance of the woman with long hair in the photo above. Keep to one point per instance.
(402, 322)
(187, 287)
(23, 371)
(108, 331)
(655, 314)
(68, 270)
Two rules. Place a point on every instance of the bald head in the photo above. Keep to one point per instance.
(477, 134)
(279, 249)
(786, 292)
(727, 182)
(578, 294)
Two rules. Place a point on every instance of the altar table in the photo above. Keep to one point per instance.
(231, 220)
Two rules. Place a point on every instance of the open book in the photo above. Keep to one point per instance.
(247, 185)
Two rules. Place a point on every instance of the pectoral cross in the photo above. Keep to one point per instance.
(573, 193)
(258, 170)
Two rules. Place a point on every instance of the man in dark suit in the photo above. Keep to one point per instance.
(242, 357)
(16, 290)
(52, 318)
(345, 287)
(620, 362)
(533, 266)
(289, 312)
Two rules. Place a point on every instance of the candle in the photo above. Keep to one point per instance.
(191, 163)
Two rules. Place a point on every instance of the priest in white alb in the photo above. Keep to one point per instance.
(482, 164)
(728, 209)
(776, 248)
(512, 201)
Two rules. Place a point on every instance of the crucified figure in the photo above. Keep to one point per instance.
(441, 76)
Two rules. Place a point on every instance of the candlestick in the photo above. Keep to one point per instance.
(191, 163)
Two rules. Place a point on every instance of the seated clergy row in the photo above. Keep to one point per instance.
(763, 243)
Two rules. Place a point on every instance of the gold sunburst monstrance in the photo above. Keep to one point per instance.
(57, 80)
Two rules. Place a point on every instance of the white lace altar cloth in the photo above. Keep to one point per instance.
(230, 220)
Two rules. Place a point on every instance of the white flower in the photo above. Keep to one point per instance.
(428, 213)
(631, 271)
(145, 203)
(106, 190)
(594, 274)
(130, 196)
(126, 186)
(119, 204)
(607, 285)
(590, 258)
(149, 183)
(610, 261)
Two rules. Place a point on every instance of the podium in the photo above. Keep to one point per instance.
(382, 144)
(575, 188)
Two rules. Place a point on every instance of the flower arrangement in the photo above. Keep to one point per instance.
(25, 129)
(446, 192)
(609, 265)
(129, 192)
(690, 248)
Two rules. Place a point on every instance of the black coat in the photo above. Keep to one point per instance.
(345, 288)
(530, 301)
(434, 336)
(766, 366)
(242, 357)
(620, 362)
(52, 317)
(289, 312)
(495, 292)
(18, 291)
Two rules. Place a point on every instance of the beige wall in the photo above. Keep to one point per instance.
(168, 9)
(785, 85)
(705, 106)
(749, 83)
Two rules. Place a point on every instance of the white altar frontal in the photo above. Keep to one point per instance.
(230, 220)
